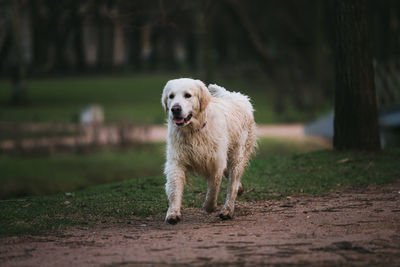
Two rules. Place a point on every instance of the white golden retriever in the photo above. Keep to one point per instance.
(211, 132)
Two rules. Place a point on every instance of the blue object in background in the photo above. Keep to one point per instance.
(389, 122)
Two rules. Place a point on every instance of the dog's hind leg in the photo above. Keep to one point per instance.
(213, 184)
(234, 186)
(236, 170)
(240, 188)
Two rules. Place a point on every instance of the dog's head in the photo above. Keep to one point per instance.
(184, 99)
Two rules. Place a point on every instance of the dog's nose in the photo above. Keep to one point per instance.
(176, 109)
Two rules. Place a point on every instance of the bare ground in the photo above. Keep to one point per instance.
(351, 227)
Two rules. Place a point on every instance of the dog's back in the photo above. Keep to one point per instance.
(239, 112)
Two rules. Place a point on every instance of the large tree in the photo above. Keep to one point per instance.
(355, 124)
(18, 96)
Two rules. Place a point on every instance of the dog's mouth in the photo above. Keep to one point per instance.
(182, 121)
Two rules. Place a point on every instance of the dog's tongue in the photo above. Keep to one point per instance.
(178, 120)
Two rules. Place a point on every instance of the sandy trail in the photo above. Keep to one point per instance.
(352, 227)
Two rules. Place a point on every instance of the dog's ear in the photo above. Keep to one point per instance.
(204, 96)
(164, 98)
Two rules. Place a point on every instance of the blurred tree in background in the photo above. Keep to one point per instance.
(356, 116)
(286, 43)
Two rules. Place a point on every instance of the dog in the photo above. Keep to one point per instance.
(211, 132)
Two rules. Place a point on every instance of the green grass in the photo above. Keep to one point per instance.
(267, 177)
(318, 172)
(133, 98)
(124, 98)
(38, 175)
(270, 147)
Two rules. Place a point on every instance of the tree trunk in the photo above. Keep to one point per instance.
(205, 60)
(18, 95)
(78, 36)
(355, 124)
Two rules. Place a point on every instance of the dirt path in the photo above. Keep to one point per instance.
(353, 227)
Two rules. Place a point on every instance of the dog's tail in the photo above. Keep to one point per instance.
(221, 92)
(217, 91)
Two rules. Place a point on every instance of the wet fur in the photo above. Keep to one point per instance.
(219, 140)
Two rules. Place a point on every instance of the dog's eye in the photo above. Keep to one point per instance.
(187, 95)
(171, 96)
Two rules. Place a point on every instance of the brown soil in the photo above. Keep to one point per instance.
(351, 227)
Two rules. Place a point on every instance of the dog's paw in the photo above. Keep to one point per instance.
(209, 207)
(173, 218)
(226, 214)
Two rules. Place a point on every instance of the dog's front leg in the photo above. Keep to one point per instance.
(174, 190)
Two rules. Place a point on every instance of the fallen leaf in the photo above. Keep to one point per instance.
(345, 160)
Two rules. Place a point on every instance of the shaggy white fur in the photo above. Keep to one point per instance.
(211, 132)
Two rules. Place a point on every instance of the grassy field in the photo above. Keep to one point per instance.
(39, 175)
(53, 192)
(124, 98)
(267, 177)
(135, 98)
